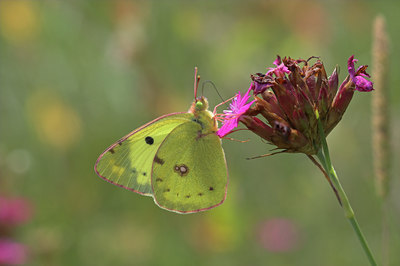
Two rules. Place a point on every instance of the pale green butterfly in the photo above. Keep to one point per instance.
(177, 159)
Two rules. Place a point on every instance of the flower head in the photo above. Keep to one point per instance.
(287, 97)
(237, 108)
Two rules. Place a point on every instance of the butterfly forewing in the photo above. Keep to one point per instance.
(190, 172)
(128, 162)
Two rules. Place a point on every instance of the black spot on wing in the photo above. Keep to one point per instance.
(111, 150)
(149, 140)
(159, 179)
(211, 188)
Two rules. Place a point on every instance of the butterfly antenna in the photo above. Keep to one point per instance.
(215, 87)
(196, 83)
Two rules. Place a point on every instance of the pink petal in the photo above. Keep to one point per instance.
(362, 84)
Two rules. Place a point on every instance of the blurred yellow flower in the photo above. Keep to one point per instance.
(18, 20)
(56, 123)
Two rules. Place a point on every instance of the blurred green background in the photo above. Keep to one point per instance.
(75, 76)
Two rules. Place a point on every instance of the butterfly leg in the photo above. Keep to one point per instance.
(215, 108)
(200, 134)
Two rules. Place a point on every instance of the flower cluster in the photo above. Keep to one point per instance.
(288, 96)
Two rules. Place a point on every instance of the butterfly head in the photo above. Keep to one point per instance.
(199, 105)
(203, 116)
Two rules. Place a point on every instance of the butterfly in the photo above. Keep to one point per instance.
(177, 159)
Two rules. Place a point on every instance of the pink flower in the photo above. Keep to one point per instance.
(14, 211)
(358, 77)
(12, 253)
(267, 80)
(237, 108)
(279, 70)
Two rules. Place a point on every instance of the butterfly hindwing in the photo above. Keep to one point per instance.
(128, 162)
(189, 173)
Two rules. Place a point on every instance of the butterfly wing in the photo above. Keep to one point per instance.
(190, 173)
(128, 162)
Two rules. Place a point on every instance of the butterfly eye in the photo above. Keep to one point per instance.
(199, 105)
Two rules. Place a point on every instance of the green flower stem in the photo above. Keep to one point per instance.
(325, 160)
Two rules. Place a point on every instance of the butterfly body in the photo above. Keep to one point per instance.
(177, 159)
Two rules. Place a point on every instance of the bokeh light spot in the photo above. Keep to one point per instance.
(18, 20)
(57, 124)
(19, 161)
(278, 235)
